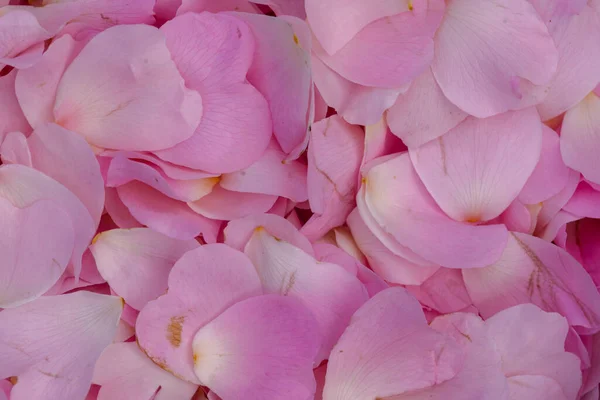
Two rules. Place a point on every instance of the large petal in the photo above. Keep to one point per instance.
(388, 350)
(532, 342)
(123, 91)
(331, 293)
(11, 115)
(268, 343)
(490, 55)
(23, 186)
(64, 156)
(165, 215)
(36, 245)
(281, 72)
(533, 270)
(410, 118)
(580, 138)
(478, 168)
(202, 284)
(235, 127)
(52, 344)
(550, 174)
(271, 174)
(389, 52)
(136, 262)
(125, 373)
(36, 86)
(399, 203)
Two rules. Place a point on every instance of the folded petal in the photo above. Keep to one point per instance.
(388, 52)
(579, 137)
(271, 174)
(136, 262)
(15, 150)
(36, 86)
(331, 293)
(268, 343)
(585, 202)
(532, 342)
(410, 118)
(47, 343)
(36, 246)
(399, 203)
(202, 284)
(20, 39)
(66, 157)
(226, 205)
(11, 115)
(281, 72)
(118, 212)
(444, 291)
(23, 186)
(238, 232)
(478, 168)
(285, 7)
(489, 56)
(532, 270)
(388, 350)
(123, 91)
(125, 373)
(165, 215)
(389, 266)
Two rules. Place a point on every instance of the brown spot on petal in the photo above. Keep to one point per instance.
(296, 40)
(443, 155)
(290, 284)
(13, 380)
(174, 330)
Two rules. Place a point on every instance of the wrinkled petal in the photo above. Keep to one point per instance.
(136, 262)
(267, 342)
(532, 270)
(202, 284)
(47, 344)
(125, 373)
(477, 169)
(489, 56)
(123, 91)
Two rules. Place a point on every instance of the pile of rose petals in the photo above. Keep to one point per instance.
(299, 199)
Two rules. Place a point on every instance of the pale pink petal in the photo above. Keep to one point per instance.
(444, 291)
(235, 127)
(36, 86)
(532, 270)
(118, 211)
(331, 293)
(165, 215)
(345, 241)
(223, 204)
(123, 91)
(517, 218)
(585, 202)
(550, 174)
(136, 262)
(556, 229)
(15, 150)
(489, 56)
(285, 7)
(202, 284)
(36, 245)
(532, 342)
(48, 344)
(271, 174)
(11, 115)
(575, 36)
(579, 138)
(410, 118)
(389, 266)
(358, 104)
(21, 39)
(336, 22)
(123, 170)
(281, 72)
(388, 350)
(478, 168)
(389, 52)
(379, 142)
(125, 373)
(238, 232)
(199, 6)
(268, 343)
(399, 203)
(554, 204)
(535, 387)
(23, 186)
(66, 157)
